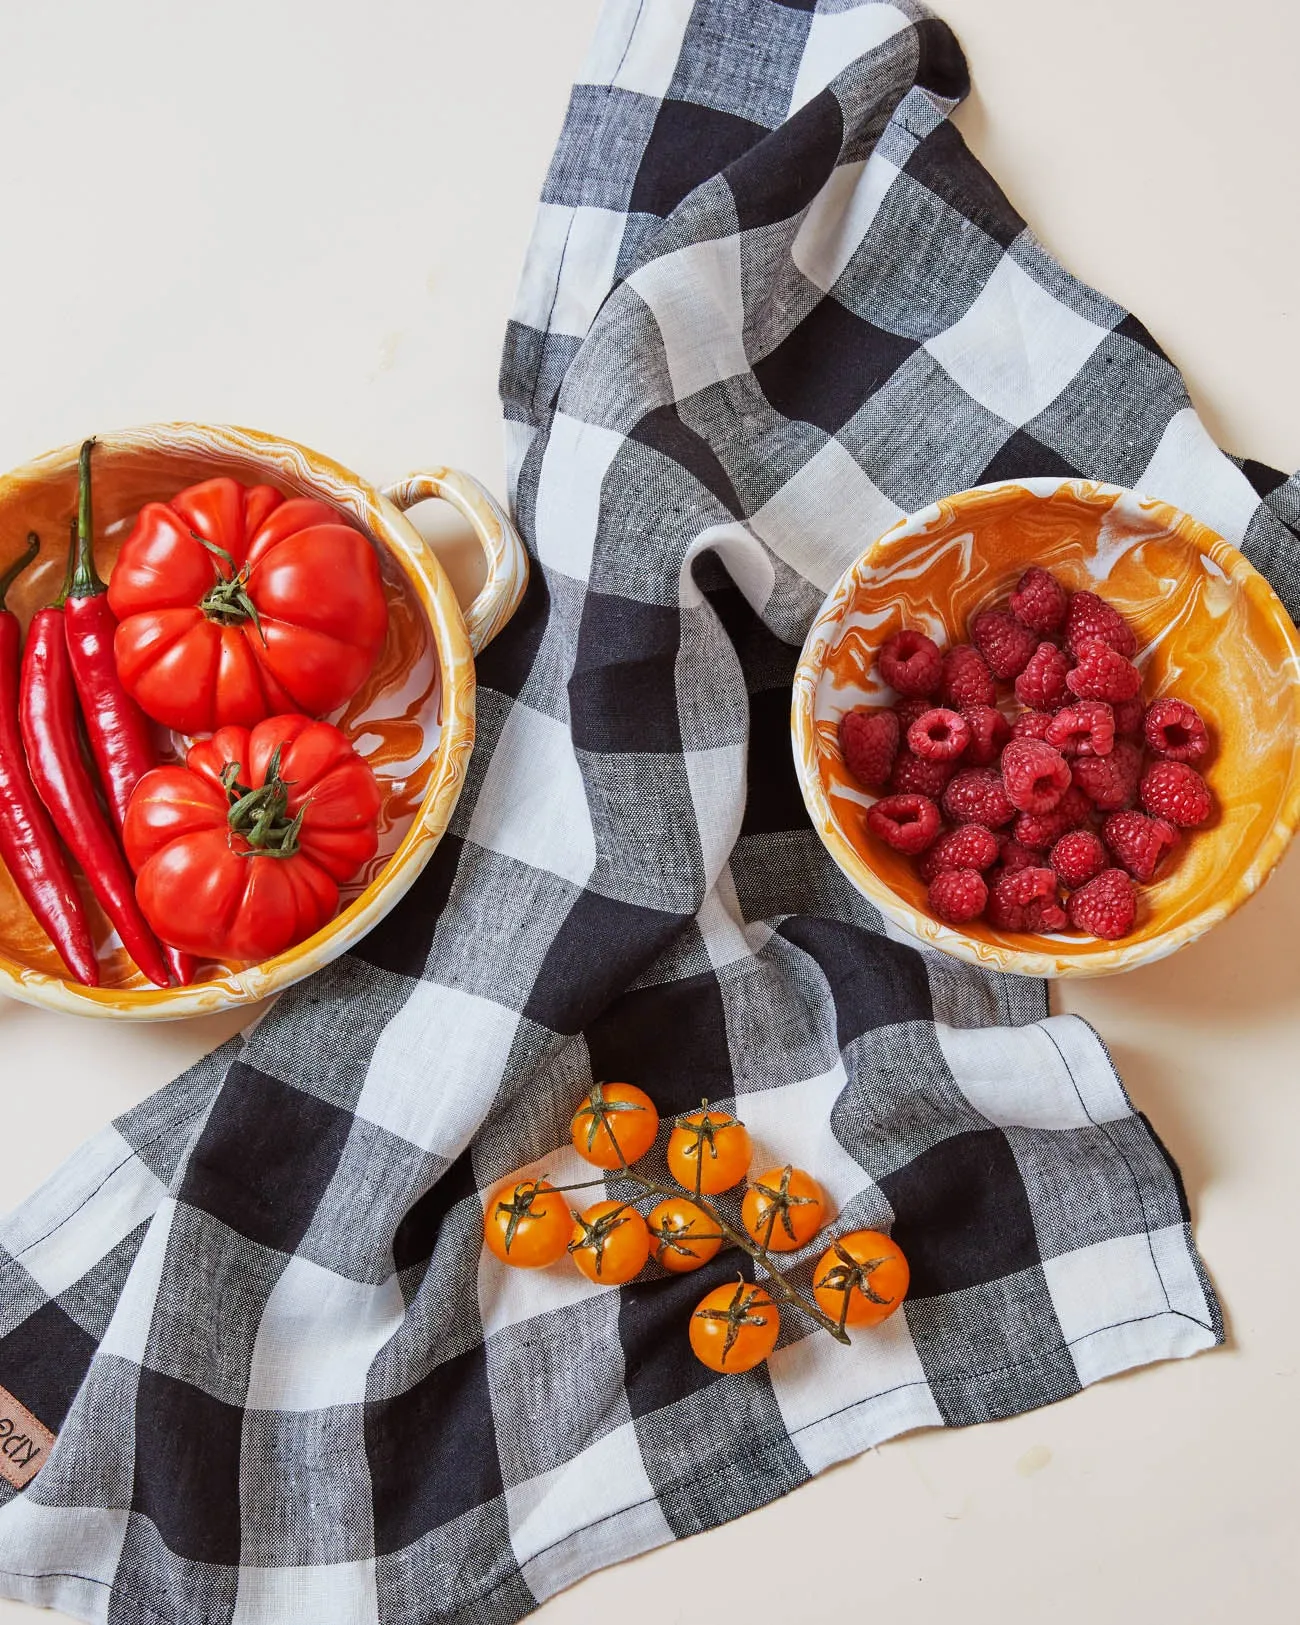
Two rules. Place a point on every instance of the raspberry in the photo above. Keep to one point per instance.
(907, 711)
(1084, 729)
(1106, 906)
(907, 823)
(869, 743)
(969, 847)
(1041, 685)
(1092, 618)
(1004, 642)
(1111, 782)
(1078, 856)
(958, 895)
(1102, 674)
(967, 679)
(989, 731)
(1013, 855)
(1174, 730)
(1040, 601)
(1035, 775)
(1128, 717)
(1140, 844)
(1025, 900)
(977, 797)
(1031, 725)
(1042, 830)
(910, 663)
(914, 777)
(939, 736)
(1177, 792)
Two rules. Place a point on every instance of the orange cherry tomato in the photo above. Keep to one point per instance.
(860, 1279)
(735, 1328)
(527, 1224)
(783, 1209)
(709, 1151)
(610, 1243)
(614, 1117)
(683, 1236)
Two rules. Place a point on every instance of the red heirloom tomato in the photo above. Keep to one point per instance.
(236, 604)
(239, 854)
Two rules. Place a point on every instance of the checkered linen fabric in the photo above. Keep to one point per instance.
(771, 303)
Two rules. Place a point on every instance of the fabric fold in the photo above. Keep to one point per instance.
(771, 303)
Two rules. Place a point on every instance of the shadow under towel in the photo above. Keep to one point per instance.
(771, 303)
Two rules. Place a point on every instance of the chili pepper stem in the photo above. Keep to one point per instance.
(19, 565)
(85, 580)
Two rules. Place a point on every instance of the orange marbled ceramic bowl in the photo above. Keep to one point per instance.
(413, 720)
(1210, 630)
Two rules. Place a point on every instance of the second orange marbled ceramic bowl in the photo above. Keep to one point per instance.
(413, 719)
(1210, 630)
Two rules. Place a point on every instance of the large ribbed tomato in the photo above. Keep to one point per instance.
(239, 854)
(236, 604)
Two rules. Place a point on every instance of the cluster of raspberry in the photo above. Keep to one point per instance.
(1053, 810)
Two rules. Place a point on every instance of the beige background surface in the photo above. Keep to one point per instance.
(309, 217)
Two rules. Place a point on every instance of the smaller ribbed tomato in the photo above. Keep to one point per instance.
(614, 1118)
(783, 1209)
(735, 1328)
(609, 1243)
(239, 854)
(861, 1279)
(527, 1224)
(709, 1151)
(682, 1235)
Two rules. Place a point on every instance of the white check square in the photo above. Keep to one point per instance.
(607, 1478)
(574, 465)
(636, 47)
(696, 299)
(125, 1199)
(308, 1595)
(838, 38)
(318, 1337)
(1128, 1301)
(533, 804)
(879, 1389)
(1016, 348)
(1188, 470)
(839, 217)
(823, 518)
(436, 1066)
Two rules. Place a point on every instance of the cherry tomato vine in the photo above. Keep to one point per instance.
(859, 1280)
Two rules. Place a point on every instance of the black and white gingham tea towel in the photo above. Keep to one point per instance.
(771, 304)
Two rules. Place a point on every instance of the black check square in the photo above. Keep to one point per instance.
(962, 1214)
(265, 1157)
(829, 365)
(623, 691)
(688, 145)
(432, 1452)
(942, 162)
(190, 1495)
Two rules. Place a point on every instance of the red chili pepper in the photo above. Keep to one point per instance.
(121, 738)
(29, 846)
(47, 710)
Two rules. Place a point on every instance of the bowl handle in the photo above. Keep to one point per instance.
(507, 561)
